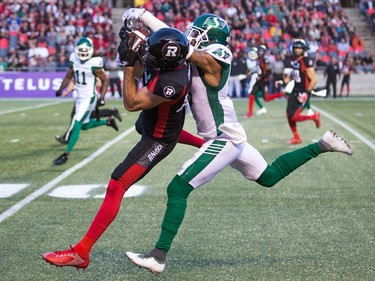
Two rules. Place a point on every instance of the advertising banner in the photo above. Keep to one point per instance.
(30, 84)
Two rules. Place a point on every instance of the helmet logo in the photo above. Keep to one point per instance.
(214, 22)
(171, 51)
(169, 91)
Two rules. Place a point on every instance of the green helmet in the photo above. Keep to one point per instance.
(208, 29)
(84, 48)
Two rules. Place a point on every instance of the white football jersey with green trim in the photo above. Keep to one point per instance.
(211, 107)
(84, 75)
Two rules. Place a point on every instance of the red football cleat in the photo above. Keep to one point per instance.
(316, 118)
(249, 114)
(66, 258)
(294, 141)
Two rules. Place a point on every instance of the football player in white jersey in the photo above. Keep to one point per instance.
(226, 142)
(84, 69)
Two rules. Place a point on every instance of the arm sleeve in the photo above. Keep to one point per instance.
(152, 22)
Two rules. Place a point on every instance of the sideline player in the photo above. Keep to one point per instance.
(97, 113)
(85, 69)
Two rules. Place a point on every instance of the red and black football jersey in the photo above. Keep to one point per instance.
(299, 74)
(263, 64)
(165, 121)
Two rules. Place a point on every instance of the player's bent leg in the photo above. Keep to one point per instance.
(287, 163)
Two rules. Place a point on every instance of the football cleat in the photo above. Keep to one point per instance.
(294, 141)
(249, 114)
(116, 114)
(146, 261)
(61, 159)
(61, 139)
(66, 258)
(112, 123)
(330, 141)
(261, 111)
(316, 119)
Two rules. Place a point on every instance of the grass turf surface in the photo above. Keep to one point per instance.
(316, 224)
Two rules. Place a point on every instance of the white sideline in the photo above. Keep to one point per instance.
(18, 206)
(345, 126)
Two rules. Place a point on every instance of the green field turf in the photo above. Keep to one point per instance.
(316, 224)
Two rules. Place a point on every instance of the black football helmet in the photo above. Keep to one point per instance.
(166, 49)
(262, 50)
(299, 44)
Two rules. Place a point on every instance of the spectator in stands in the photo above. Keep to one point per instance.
(22, 63)
(358, 67)
(4, 43)
(368, 63)
(51, 64)
(12, 60)
(3, 64)
(313, 47)
(343, 45)
(357, 42)
(62, 63)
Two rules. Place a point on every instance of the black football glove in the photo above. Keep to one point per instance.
(129, 46)
(125, 54)
(58, 93)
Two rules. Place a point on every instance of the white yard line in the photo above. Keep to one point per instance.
(18, 206)
(33, 107)
(345, 126)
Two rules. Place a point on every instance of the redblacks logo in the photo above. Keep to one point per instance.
(171, 51)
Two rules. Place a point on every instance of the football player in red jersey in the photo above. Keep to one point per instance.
(303, 74)
(167, 77)
(259, 88)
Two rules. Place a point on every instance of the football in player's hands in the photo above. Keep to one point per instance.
(137, 38)
(128, 48)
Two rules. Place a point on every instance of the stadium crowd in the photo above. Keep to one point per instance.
(39, 35)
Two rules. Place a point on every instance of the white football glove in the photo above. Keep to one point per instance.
(133, 14)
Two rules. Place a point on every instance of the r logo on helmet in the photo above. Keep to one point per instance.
(171, 51)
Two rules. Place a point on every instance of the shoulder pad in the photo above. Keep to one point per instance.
(219, 52)
(73, 57)
(97, 62)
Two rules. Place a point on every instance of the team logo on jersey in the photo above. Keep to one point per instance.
(169, 91)
(171, 51)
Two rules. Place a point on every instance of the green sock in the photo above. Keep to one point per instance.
(178, 192)
(287, 163)
(307, 105)
(74, 136)
(257, 100)
(93, 123)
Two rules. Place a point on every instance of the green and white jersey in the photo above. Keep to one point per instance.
(211, 107)
(84, 76)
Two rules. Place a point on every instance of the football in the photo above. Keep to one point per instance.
(137, 37)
